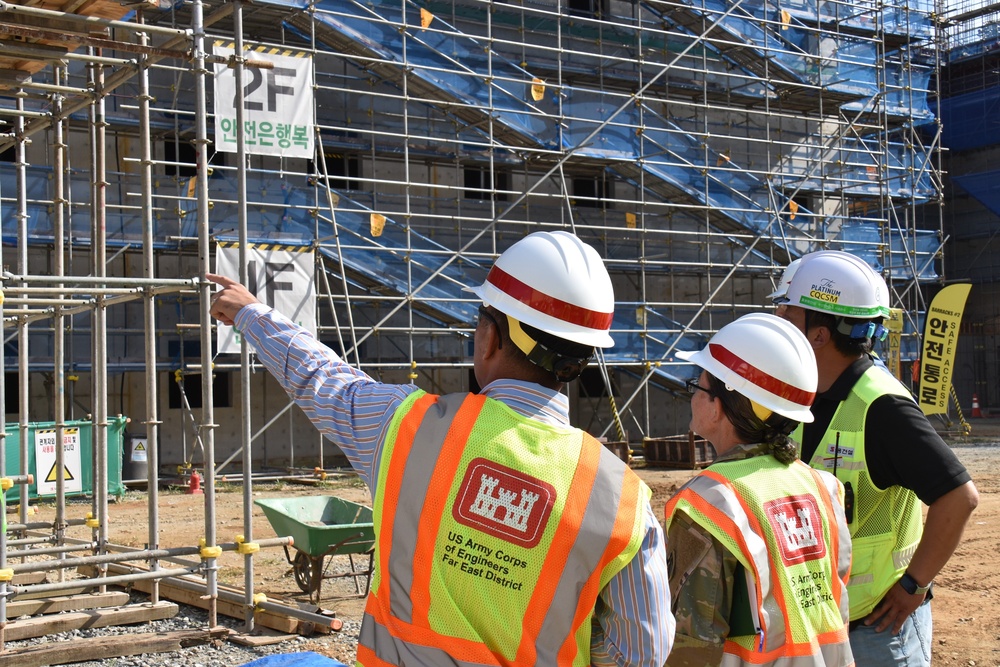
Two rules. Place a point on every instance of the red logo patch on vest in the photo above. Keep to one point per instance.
(798, 527)
(504, 503)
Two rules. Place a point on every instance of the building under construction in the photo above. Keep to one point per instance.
(699, 145)
(366, 162)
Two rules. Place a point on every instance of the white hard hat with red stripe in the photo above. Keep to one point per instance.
(765, 358)
(556, 283)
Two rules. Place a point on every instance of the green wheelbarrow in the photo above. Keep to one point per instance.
(320, 527)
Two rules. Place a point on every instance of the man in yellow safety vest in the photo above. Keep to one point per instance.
(503, 535)
(871, 434)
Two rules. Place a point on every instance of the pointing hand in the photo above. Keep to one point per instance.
(228, 301)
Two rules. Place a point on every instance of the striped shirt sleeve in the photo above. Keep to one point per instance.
(633, 624)
(347, 405)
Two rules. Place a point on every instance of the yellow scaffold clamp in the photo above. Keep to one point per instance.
(6, 483)
(207, 552)
(6, 574)
(91, 521)
(259, 599)
(413, 370)
(244, 547)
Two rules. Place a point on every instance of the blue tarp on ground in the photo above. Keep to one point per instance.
(304, 659)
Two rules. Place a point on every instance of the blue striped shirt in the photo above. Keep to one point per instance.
(633, 623)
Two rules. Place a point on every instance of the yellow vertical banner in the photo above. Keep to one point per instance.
(895, 326)
(937, 359)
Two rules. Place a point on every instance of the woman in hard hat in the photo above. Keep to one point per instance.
(758, 544)
(503, 534)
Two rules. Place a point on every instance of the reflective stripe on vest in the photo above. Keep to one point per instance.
(743, 504)
(547, 589)
(887, 523)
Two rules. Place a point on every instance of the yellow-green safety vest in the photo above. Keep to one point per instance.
(786, 526)
(887, 524)
(494, 535)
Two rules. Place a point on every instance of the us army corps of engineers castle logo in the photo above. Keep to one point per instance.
(797, 527)
(504, 503)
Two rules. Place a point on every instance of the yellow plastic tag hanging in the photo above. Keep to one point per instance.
(377, 222)
(425, 18)
(786, 19)
(630, 220)
(793, 208)
(537, 89)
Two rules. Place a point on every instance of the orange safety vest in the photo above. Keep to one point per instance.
(495, 533)
(786, 526)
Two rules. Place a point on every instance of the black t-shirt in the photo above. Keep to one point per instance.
(901, 446)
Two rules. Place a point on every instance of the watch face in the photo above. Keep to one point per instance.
(911, 586)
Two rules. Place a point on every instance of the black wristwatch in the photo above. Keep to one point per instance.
(911, 586)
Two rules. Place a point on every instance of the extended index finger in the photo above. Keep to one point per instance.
(225, 281)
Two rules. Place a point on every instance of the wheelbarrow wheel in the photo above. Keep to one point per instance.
(302, 568)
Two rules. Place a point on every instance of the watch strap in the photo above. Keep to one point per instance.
(911, 586)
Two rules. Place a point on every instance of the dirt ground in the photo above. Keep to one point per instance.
(966, 626)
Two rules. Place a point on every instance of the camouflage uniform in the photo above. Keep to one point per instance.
(701, 584)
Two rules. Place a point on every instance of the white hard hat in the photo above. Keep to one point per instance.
(785, 280)
(556, 283)
(778, 295)
(838, 283)
(765, 358)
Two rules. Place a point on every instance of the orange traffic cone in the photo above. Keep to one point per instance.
(976, 412)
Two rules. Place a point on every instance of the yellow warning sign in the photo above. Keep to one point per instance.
(51, 477)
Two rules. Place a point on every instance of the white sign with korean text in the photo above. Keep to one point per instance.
(46, 469)
(277, 105)
(282, 277)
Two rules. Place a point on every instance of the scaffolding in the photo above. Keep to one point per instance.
(700, 145)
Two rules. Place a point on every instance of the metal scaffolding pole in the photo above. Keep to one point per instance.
(245, 408)
(208, 424)
(149, 319)
(59, 319)
(99, 339)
